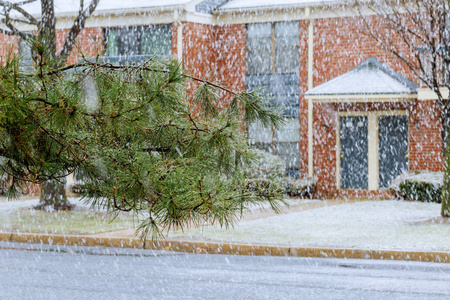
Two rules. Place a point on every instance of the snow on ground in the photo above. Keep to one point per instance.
(369, 224)
(387, 224)
(265, 206)
(10, 205)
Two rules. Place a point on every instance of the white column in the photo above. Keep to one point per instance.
(310, 86)
(310, 139)
(373, 151)
(179, 36)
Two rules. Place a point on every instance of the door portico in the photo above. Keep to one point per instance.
(371, 125)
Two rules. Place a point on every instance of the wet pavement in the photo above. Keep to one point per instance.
(52, 272)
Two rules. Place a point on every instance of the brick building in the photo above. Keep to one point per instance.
(355, 117)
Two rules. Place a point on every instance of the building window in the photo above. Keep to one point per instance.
(136, 44)
(25, 54)
(273, 63)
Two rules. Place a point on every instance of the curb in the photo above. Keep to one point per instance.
(226, 248)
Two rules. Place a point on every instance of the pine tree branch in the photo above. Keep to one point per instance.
(114, 67)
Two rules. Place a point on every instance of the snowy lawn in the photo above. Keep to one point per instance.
(17, 216)
(387, 224)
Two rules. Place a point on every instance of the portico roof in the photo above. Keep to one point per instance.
(371, 77)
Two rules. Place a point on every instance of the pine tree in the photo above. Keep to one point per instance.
(53, 195)
(142, 142)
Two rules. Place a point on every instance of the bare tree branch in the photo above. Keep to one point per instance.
(14, 30)
(78, 25)
(17, 6)
(6, 32)
(18, 21)
(28, 16)
(21, 2)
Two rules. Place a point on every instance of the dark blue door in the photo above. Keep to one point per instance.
(354, 152)
(392, 148)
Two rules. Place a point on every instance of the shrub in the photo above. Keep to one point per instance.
(269, 170)
(266, 172)
(302, 187)
(426, 187)
(266, 166)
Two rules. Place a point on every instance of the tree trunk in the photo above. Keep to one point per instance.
(445, 206)
(53, 197)
(53, 193)
(47, 33)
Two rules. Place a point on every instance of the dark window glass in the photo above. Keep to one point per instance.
(273, 63)
(287, 41)
(25, 53)
(259, 47)
(138, 43)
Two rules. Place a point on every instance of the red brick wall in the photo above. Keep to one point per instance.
(8, 43)
(303, 118)
(174, 40)
(340, 45)
(198, 54)
(231, 55)
(324, 148)
(425, 137)
(89, 42)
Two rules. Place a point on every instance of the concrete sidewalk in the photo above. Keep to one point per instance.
(201, 247)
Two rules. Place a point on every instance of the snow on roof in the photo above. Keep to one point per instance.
(72, 6)
(370, 77)
(208, 6)
(245, 4)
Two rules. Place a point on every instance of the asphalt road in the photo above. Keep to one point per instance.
(50, 272)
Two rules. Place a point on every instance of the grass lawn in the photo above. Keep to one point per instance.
(20, 218)
(387, 224)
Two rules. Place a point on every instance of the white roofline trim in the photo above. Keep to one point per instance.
(319, 10)
(129, 19)
(281, 7)
(126, 11)
(281, 13)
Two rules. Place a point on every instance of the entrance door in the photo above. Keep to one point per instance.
(354, 152)
(392, 148)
